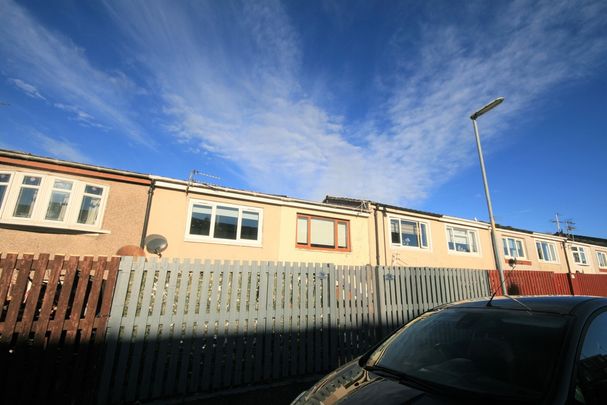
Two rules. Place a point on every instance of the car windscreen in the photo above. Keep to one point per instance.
(484, 351)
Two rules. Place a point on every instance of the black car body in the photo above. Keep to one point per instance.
(540, 350)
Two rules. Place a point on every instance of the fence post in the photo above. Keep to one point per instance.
(379, 297)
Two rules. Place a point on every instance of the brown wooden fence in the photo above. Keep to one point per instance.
(53, 316)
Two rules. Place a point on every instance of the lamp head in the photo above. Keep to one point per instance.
(487, 108)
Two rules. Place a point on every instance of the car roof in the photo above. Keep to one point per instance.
(551, 304)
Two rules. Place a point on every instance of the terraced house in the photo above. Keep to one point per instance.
(56, 206)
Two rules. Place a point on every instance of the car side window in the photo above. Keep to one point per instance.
(592, 365)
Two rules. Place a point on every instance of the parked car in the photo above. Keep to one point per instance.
(540, 350)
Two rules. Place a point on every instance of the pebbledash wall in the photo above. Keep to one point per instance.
(49, 205)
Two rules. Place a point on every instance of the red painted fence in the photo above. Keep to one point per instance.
(529, 282)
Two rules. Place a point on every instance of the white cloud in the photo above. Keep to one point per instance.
(63, 72)
(229, 80)
(235, 92)
(59, 147)
(79, 115)
(27, 88)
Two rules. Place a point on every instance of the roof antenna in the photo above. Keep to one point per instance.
(192, 180)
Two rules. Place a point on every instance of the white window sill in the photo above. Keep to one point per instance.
(421, 249)
(548, 261)
(456, 253)
(58, 226)
(254, 244)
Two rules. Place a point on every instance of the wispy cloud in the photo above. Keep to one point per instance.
(59, 147)
(79, 115)
(27, 88)
(61, 70)
(235, 92)
(229, 79)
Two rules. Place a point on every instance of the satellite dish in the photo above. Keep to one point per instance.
(156, 244)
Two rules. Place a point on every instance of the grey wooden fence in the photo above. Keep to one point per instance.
(182, 327)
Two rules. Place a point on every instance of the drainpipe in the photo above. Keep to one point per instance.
(146, 219)
(377, 255)
(383, 221)
(568, 268)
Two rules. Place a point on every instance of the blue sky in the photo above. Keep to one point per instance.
(354, 98)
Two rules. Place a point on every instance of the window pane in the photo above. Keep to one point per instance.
(583, 255)
(57, 205)
(394, 231)
(32, 181)
(512, 247)
(505, 245)
(322, 233)
(519, 248)
(460, 241)
(2, 192)
(226, 223)
(63, 185)
(424, 235)
(250, 225)
(201, 220)
(4, 177)
(540, 254)
(552, 256)
(408, 231)
(473, 241)
(342, 238)
(93, 190)
(89, 209)
(302, 230)
(25, 202)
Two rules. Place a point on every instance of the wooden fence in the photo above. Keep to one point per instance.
(53, 317)
(407, 292)
(183, 327)
(529, 282)
(76, 330)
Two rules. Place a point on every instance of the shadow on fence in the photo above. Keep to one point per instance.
(52, 326)
(123, 330)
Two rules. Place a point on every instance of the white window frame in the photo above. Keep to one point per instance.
(209, 238)
(548, 243)
(602, 254)
(418, 224)
(578, 250)
(8, 190)
(45, 190)
(469, 231)
(507, 254)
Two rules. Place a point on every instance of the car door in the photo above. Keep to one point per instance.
(591, 367)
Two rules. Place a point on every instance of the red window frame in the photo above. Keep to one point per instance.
(336, 221)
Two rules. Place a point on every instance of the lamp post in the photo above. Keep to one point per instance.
(474, 117)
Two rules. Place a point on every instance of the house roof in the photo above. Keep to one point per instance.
(353, 202)
(585, 239)
(25, 159)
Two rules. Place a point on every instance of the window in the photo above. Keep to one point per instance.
(406, 232)
(223, 223)
(5, 179)
(49, 201)
(513, 248)
(602, 258)
(579, 255)
(590, 387)
(462, 240)
(546, 251)
(323, 233)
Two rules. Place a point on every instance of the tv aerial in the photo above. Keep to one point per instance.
(156, 244)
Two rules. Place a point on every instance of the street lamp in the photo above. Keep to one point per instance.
(474, 117)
